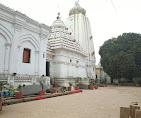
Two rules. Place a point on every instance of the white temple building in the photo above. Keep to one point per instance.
(30, 51)
(70, 51)
(22, 48)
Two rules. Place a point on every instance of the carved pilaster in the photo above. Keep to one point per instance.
(7, 54)
(36, 62)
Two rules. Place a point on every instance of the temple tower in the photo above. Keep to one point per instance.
(78, 23)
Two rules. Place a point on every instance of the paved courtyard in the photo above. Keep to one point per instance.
(102, 103)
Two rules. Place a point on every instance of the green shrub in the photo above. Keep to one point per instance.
(137, 80)
(70, 84)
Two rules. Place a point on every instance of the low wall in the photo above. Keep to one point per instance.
(32, 89)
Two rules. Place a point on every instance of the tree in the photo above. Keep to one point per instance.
(121, 56)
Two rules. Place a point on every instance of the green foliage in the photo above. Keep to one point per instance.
(11, 87)
(121, 57)
(70, 84)
(102, 81)
(77, 80)
(96, 81)
(137, 80)
(51, 81)
(91, 83)
(19, 87)
(3, 85)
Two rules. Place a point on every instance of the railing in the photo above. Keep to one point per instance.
(24, 79)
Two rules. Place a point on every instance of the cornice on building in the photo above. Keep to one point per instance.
(17, 17)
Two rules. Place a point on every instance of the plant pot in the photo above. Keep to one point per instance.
(105, 85)
(137, 85)
(91, 87)
(11, 92)
(0, 105)
(55, 85)
(119, 84)
(18, 95)
(42, 93)
(77, 87)
(69, 88)
(53, 90)
(1, 94)
(6, 94)
(102, 85)
(96, 87)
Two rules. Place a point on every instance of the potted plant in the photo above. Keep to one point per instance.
(42, 92)
(105, 83)
(137, 80)
(11, 90)
(95, 82)
(53, 90)
(18, 93)
(77, 83)
(102, 83)
(70, 85)
(119, 82)
(55, 84)
(91, 85)
(2, 88)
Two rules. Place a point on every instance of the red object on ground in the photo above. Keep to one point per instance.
(0, 105)
(105, 85)
(76, 91)
(18, 95)
(102, 85)
(39, 98)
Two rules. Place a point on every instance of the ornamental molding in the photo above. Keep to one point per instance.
(42, 36)
(18, 27)
(15, 17)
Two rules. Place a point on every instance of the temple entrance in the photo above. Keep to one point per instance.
(47, 68)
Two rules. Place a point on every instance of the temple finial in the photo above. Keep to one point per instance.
(76, 1)
(58, 17)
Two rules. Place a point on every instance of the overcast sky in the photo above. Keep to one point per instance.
(108, 18)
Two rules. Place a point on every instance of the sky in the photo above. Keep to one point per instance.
(108, 18)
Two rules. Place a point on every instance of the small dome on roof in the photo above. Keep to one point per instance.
(58, 23)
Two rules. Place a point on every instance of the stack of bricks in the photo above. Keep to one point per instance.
(133, 111)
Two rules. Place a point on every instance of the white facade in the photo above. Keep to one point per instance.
(101, 75)
(67, 56)
(79, 25)
(19, 32)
